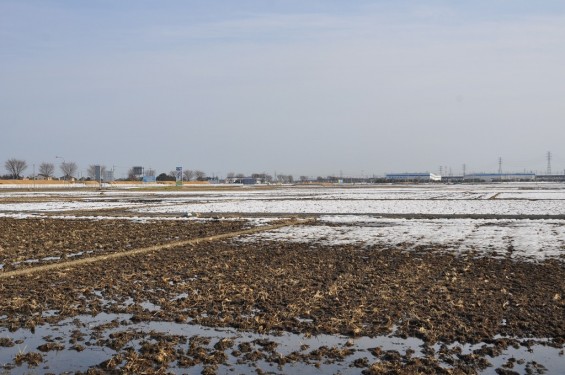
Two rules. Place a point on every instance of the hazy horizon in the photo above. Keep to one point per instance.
(311, 88)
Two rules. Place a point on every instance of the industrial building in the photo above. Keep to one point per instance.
(489, 177)
(551, 177)
(413, 177)
(243, 180)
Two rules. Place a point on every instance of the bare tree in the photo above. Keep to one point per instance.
(200, 176)
(69, 169)
(91, 171)
(187, 174)
(285, 179)
(303, 178)
(240, 175)
(132, 176)
(46, 169)
(15, 167)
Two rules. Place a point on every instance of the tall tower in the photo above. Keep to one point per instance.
(499, 165)
(464, 168)
(548, 163)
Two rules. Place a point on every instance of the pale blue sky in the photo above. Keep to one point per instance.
(300, 87)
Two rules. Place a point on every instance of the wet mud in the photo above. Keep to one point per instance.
(29, 242)
(444, 300)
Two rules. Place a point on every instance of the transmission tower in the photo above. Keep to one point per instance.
(464, 168)
(548, 163)
(499, 165)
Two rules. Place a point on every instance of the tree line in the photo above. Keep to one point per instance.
(187, 175)
(16, 168)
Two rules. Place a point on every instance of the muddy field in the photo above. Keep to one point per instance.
(223, 300)
(27, 243)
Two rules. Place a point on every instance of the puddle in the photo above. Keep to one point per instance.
(50, 259)
(49, 313)
(95, 331)
(525, 359)
(80, 253)
(180, 297)
(151, 307)
(28, 261)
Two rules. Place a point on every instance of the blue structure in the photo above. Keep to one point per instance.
(500, 177)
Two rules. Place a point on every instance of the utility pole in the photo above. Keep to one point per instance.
(548, 163)
(500, 165)
(464, 168)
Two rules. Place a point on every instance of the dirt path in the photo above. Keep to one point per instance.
(143, 250)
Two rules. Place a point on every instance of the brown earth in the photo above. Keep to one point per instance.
(281, 287)
(36, 239)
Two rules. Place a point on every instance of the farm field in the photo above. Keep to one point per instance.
(350, 280)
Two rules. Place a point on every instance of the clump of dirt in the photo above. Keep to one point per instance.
(47, 347)
(6, 342)
(33, 359)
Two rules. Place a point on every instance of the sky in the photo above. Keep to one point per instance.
(313, 88)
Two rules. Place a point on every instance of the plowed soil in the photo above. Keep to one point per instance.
(275, 287)
(25, 243)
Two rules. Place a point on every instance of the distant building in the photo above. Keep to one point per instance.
(248, 181)
(243, 180)
(109, 176)
(490, 177)
(452, 179)
(413, 177)
(551, 177)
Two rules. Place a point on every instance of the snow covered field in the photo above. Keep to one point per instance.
(349, 215)
(524, 239)
(319, 205)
